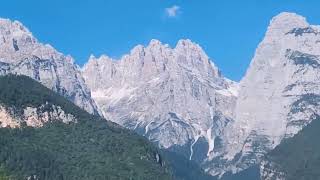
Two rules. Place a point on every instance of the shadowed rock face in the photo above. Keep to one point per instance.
(173, 96)
(21, 53)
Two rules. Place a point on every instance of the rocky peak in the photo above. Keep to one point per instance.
(13, 28)
(191, 55)
(285, 22)
(17, 42)
(21, 53)
(186, 45)
(174, 96)
(137, 50)
(287, 31)
(160, 51)
(154, 42)
(98, 60)
(92, 61)
(156, 59)
(14, 39)
(92, 58)
(188, 48)
(157, 51)
(276, 96)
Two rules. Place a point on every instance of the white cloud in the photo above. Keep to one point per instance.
(173, 11)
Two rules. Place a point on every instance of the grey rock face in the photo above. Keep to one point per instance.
(21, 53)
(177, 97)
(174, 96)
(279, 94)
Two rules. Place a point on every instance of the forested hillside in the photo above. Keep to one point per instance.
(299, 157)
(91, 148)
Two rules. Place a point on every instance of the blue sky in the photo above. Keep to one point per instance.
(228, 30)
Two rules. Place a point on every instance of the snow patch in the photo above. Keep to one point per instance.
(147, 127)
(210, 141)
(224, 92)
(113, 94)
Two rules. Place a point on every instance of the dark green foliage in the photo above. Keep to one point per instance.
(4, 175)
(299, 157)
(92, 148)
(21, 91)
(184, 169)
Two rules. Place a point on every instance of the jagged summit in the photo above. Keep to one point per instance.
(155, 42)
(182, 43)
(191, 49)
(192, 53)
(17, 42)
(187, 44)
(174, 96)
(100, 58)
(177, 97)
(7, 24)
(21, 53)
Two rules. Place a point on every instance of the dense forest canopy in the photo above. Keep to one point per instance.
(299, 157)
(92, 148)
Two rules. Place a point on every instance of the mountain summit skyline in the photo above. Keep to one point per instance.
(226, 32)
(179, 99)
(174, 97)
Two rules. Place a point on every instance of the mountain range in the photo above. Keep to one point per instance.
(179, 100)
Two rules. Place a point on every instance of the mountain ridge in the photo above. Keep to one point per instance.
(288, 53)
(21, 53)
(174, 96)
(88, 147)
(179, 100)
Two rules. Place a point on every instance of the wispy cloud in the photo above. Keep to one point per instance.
(173, 11)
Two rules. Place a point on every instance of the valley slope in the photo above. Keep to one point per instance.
(295, 158)
(71, 143)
